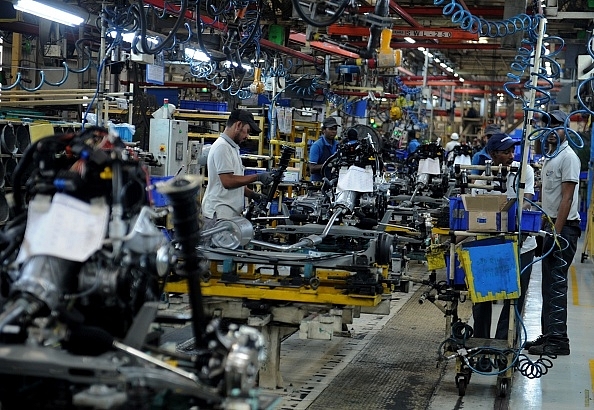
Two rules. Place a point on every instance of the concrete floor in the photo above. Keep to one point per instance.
(389, 362)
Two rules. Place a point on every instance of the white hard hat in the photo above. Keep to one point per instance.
(454, 136)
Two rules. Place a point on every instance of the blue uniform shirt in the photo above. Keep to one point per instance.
(319, 152)
(479, 159)
(413, 146)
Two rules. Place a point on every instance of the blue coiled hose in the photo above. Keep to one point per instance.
(406, 89)
(467, 21)
(413, 117)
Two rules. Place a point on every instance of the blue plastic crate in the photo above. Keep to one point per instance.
(158, 199)
(531, 220)
(458, 215)
(124, 131)
(161, 93)
(281, 102)
(357, 109)
(203, 105)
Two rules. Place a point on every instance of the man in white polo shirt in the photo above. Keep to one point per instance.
(227, 185)
(560, 178)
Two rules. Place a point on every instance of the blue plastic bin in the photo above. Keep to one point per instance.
(357, 109)
(124, 131)
(159, 200)
(203, 105)
(161, 93)
(458, 215)
(531, 220)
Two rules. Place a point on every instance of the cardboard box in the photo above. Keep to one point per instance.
(487, 213)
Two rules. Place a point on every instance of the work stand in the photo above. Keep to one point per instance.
(472, 355)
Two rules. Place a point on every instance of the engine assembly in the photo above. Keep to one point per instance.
(84, 261)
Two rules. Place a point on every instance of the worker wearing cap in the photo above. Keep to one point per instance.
(501, 149)
(480, 157)
(453, 142)
(413, 142)
(560, 176)
(323, 148)
(227, 185)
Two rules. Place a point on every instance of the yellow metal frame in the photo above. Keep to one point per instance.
(254, 286)
(322, 295)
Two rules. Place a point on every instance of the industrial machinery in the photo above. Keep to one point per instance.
(83, 264)
(353, 191)
(168, 142)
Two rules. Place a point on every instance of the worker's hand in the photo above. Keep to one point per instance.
(258, 197)
(265, 177)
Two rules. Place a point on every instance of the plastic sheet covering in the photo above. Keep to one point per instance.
(492, 268)
(284, 116)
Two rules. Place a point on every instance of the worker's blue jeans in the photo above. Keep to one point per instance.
(555, 266)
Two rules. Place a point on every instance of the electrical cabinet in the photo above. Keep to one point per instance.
(168, 142)
(195, 154)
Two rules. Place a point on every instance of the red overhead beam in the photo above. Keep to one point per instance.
(435, 46)
(402, 31)
(395, 7)
(322, 46)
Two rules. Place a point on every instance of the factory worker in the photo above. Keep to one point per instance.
(501, 149)
(480, 157)
(413, 142)
(227, 185)
(560, 176)
(323, 148)
(453, 143)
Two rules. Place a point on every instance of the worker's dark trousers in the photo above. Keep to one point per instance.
(525, 272)
(555, 266)
(481, 312)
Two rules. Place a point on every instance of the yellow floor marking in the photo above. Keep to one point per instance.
(574, 286)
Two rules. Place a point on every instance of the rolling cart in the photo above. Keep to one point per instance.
(490, 271)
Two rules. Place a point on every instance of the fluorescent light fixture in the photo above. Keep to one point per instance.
(129, 37)
(227, 64)
(49, 12)
(409, 40)
(437, 60)
(456, 74)
(461, 79)
(421, 48)
(198, 55)
(429, 55)
(450, 70)
(443, 65)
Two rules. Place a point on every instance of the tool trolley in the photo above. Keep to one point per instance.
(481, 269)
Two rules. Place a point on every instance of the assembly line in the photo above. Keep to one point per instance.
(295, 205)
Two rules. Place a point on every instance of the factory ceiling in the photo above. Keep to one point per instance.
(481, 57)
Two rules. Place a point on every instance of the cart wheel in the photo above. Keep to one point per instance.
(314, 283)
(503, 387)
(584, 257)
(461, 383)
